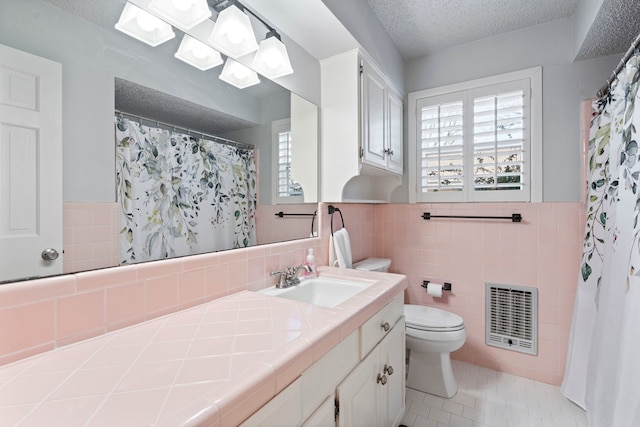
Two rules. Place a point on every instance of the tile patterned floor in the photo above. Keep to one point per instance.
(488, 398)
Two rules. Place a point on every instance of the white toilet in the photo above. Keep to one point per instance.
(373, 264)
(432, 334)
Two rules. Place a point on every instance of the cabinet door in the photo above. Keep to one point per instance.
(359, 395)
(395, 142)
(373, 117)
(324, 416)
(393, 367)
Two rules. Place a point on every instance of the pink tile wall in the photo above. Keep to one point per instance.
(543, 251)
(273, 229)
(40, 315)
(90, 236)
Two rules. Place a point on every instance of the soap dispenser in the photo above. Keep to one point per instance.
(311, 262)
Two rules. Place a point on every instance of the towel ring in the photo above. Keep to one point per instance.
(332, 210)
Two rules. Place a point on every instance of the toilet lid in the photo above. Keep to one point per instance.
(431, 318)
(373, 264)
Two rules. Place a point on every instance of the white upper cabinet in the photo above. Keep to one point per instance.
(362, 134)
(381, 121)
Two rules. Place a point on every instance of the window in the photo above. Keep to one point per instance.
(287, 190)
(478, 141)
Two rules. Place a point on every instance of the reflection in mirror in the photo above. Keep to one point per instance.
(94, 57)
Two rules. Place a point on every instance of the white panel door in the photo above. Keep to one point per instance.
(359, 394)
(396, 143)
(30, 165)
(373, 117)
(393, 362)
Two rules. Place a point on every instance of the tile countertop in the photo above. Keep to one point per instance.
(210, 365)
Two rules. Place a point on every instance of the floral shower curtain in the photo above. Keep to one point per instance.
(604, 350)
(181, 195)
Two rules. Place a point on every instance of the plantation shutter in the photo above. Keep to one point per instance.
(500, 142)
(441, 131)
(284, 163)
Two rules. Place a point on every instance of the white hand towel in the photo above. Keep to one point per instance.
(333, 261)
(342, 248)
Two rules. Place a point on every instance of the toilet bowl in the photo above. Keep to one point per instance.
(431, 335)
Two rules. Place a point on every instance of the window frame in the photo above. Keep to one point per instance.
(468, 88)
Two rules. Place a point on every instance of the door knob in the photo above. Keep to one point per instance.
(50, 254)
(386, 326)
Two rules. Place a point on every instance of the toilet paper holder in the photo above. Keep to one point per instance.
(446, 286)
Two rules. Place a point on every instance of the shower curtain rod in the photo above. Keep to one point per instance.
(215, 138)
(605, 89)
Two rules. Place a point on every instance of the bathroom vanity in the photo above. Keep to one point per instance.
(246, 358)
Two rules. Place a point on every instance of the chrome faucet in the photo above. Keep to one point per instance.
(289, 276)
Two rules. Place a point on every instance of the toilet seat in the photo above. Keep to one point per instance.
(431, 319)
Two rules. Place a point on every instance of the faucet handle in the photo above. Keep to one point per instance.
(282, 274)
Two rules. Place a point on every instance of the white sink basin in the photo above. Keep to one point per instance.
(323, 291)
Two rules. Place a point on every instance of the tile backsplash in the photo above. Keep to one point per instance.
(542, 251)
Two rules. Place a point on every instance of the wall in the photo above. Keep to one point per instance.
(91, 57)
(359, 19)
(90, 236)
(271, 230)
(543, 251)
(565, 84)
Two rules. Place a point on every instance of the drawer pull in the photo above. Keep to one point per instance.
(388, 370)
(386, 326)
(382, 379)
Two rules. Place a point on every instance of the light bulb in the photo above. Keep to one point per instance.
(235, 35)
(199, 52)
(182, 5)
(240, 73)
(146, 21)
(272, 61)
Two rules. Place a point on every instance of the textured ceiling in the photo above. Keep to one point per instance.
(420, 27)
(142, 101)
(615, 27)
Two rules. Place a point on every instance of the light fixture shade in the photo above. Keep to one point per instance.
(184, 14)
(143, 26)
(238, 75)
(232, 33)
(198, 54)
(272, 59)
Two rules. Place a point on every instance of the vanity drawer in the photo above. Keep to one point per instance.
(373, 330)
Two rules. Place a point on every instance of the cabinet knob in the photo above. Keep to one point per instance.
(388, 151)
(388, 370)
(386, 326)
(382, 379)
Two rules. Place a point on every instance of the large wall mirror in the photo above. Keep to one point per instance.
(104, 71)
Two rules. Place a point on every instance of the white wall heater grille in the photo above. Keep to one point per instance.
(512, 317)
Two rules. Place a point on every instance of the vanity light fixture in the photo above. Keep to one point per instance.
(184, 14)
(198, 54)
(232, 33)
(272, 60)
(238, 75)
(143, 26)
